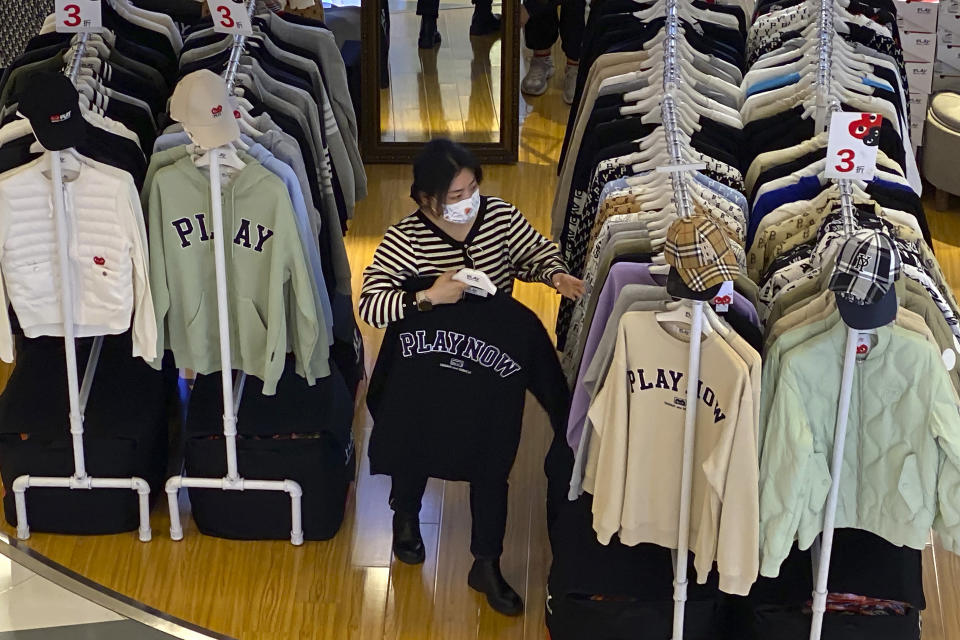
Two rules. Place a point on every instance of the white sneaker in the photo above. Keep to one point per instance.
(570, 83)
(538, 75)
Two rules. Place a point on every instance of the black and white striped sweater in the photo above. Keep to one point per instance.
(501, 243)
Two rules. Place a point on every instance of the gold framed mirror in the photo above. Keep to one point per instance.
(465, 88)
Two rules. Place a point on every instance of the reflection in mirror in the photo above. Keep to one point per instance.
(450, 89)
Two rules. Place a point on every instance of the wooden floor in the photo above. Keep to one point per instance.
(350, 588)
(452, 91)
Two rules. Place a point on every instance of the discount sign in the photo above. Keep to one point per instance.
(230, 16)
(852, 145)
(78, 16)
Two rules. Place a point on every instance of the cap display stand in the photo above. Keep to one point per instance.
(232, 390)
(78, 393)
(826, 105)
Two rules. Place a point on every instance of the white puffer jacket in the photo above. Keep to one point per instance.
(107, 247)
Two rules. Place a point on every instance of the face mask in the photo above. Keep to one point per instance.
(463, 211)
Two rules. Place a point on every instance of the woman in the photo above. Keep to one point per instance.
(455, 227)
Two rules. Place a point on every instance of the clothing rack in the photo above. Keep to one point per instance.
(671, 83)
(827, 103)
(78, 393)
(232, 390)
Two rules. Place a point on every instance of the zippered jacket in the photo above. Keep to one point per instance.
(107, 254)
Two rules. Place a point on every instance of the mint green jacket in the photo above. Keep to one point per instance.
(901, 463)
(269, 287)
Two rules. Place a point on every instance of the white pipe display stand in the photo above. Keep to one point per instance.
(686, 479)
(232, 392)
(78, 395)
(822, 563)
(671, 81)
(826, 104)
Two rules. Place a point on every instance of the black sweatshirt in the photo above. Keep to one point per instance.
(448, 389)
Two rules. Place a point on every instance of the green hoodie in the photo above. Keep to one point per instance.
(269, 297)
(901, 463)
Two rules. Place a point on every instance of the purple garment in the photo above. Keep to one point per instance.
(620, 275)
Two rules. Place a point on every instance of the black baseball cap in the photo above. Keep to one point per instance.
(52, 105)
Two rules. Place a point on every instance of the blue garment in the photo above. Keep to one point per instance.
(804, 189)
(732, 195)
(773, 83)
(893, 185)
(311, 248)
(870, 82)
(610, 187)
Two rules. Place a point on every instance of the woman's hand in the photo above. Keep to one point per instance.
(446, 290)
(568, 286)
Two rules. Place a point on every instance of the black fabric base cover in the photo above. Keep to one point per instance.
(126, 434)
(575, 618)
(81, 512)
(774, 623)
(323, 467)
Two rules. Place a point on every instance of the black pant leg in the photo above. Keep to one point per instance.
(406, 493)
(572, 25)
(543, 27)
(430, 8)
(488, 509)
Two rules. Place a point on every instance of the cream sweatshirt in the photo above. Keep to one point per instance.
(635, 458)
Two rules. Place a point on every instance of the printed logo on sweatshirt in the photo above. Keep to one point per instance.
(243, 237)
(669, 380)
(462, 347)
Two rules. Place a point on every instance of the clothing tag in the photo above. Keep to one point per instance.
(477, 291)
(230, 16)
(949, 359)
(476, 280)
(78, 16)
(676, 168)
(724, 297)
(852, 145)
(865, 342)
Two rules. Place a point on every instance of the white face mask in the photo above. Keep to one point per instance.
(463, 211)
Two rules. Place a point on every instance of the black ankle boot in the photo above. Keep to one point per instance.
(486, 578)
(407, 543)
(429, 36)
(484, 21)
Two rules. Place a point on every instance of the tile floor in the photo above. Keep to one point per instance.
(28, 601)
(34, 608)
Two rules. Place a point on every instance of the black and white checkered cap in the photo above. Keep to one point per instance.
(866, 267)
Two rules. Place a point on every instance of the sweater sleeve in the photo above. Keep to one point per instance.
(535, 258)
(144, 318)
(6, 334)
(381, 298)
(308, 330)
(735, 480)
(158, 270)
(945, 426)
(609, 414)
(788, 469)
(546, 381)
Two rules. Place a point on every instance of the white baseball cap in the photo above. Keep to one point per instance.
(201, 103)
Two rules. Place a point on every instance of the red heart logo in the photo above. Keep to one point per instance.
(862, 349)
(236, 114)
(97, 260)
(217, 110)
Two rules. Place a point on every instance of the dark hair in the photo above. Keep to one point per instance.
(437, 165)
